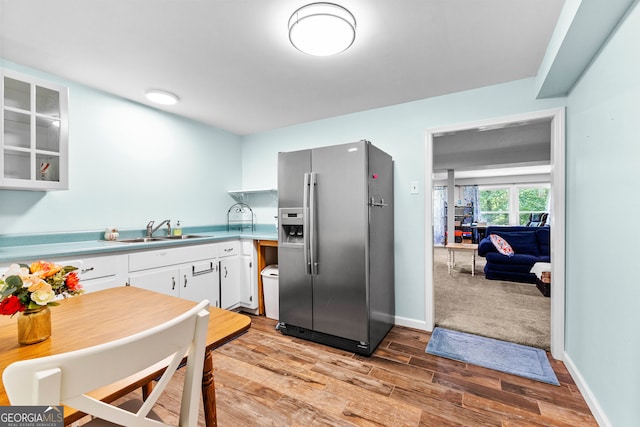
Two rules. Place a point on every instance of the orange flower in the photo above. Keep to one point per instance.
(73, 282)
(44, 268)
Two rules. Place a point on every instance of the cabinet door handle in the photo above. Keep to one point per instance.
(198, 273)
(225, 272)
(173, 286)
(185, 280)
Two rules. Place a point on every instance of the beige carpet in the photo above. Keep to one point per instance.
(508, 311)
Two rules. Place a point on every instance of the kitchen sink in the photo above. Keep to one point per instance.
(158, 239)
(182, 236)
(140, 240)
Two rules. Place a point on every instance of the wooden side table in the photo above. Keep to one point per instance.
(451, 255)
(542, 270)
(544, 283)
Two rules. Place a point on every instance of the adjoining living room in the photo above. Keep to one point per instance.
(484, 278)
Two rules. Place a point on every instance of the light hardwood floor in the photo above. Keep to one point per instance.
(266, 379)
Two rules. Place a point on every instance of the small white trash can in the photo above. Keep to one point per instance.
(271, 291)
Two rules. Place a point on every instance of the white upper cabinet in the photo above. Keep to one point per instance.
(34, 133)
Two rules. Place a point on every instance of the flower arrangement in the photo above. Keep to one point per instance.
(32, 287)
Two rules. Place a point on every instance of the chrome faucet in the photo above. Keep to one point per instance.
(151, 230)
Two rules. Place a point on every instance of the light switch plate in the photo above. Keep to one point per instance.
(414, 188)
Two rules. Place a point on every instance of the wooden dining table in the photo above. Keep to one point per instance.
(103, 316)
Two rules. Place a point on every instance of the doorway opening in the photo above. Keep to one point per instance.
(557, 178)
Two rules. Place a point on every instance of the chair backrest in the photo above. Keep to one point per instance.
(543, 219)
(537, 219)
(64, 379)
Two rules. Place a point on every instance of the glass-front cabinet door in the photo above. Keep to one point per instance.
(34, 129)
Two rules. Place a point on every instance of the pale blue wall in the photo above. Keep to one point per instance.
(603, 202)
(399, 130)
(129, 164)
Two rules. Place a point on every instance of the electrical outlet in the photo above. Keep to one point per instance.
(414, 188)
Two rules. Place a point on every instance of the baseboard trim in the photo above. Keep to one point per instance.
(592, 402)
(411, 323)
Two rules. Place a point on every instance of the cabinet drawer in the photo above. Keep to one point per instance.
(93, 268)
(228, 248)
(171, 256)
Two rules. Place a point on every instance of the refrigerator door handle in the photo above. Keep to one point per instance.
(380, 204)
(306, 221)
(313, 249)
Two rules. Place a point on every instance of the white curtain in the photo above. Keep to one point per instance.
(471, 194)
(439, 214)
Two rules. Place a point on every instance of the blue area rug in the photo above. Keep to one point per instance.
(516, 359)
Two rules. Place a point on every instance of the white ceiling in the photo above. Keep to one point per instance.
(521, 144)
(233, 67)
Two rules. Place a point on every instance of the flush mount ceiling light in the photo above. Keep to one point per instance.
(161, 97)
(322, 29)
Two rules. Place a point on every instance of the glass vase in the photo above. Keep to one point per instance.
(34, 326)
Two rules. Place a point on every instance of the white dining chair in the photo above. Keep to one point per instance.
(64, 379)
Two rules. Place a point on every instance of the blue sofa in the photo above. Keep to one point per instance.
(530, 245)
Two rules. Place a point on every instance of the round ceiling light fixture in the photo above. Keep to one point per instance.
(322, 29)
(161, 97)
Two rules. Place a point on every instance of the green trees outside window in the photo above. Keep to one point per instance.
(531, 200)
(494, 206)
(499, 206)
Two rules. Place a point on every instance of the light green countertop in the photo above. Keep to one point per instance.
(17, 248)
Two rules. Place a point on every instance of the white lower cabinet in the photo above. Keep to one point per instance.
(200, 280)
(193, 281)
(229, 283)
(222, 272)
(238, 281)
(211, 271)
(248, 276)
(238, 286)
(189, 272)
(229, 274)
(163, 280)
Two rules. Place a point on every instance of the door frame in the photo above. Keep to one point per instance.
(558, 189)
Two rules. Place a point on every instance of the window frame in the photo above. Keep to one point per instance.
(522, 186)
(514, 198)
(481, 213)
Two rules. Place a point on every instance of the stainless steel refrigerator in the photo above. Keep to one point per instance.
(335, 245)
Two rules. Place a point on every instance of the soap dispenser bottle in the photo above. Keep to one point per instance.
(177, 230)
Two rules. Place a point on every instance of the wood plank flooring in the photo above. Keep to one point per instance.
(264, 378)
